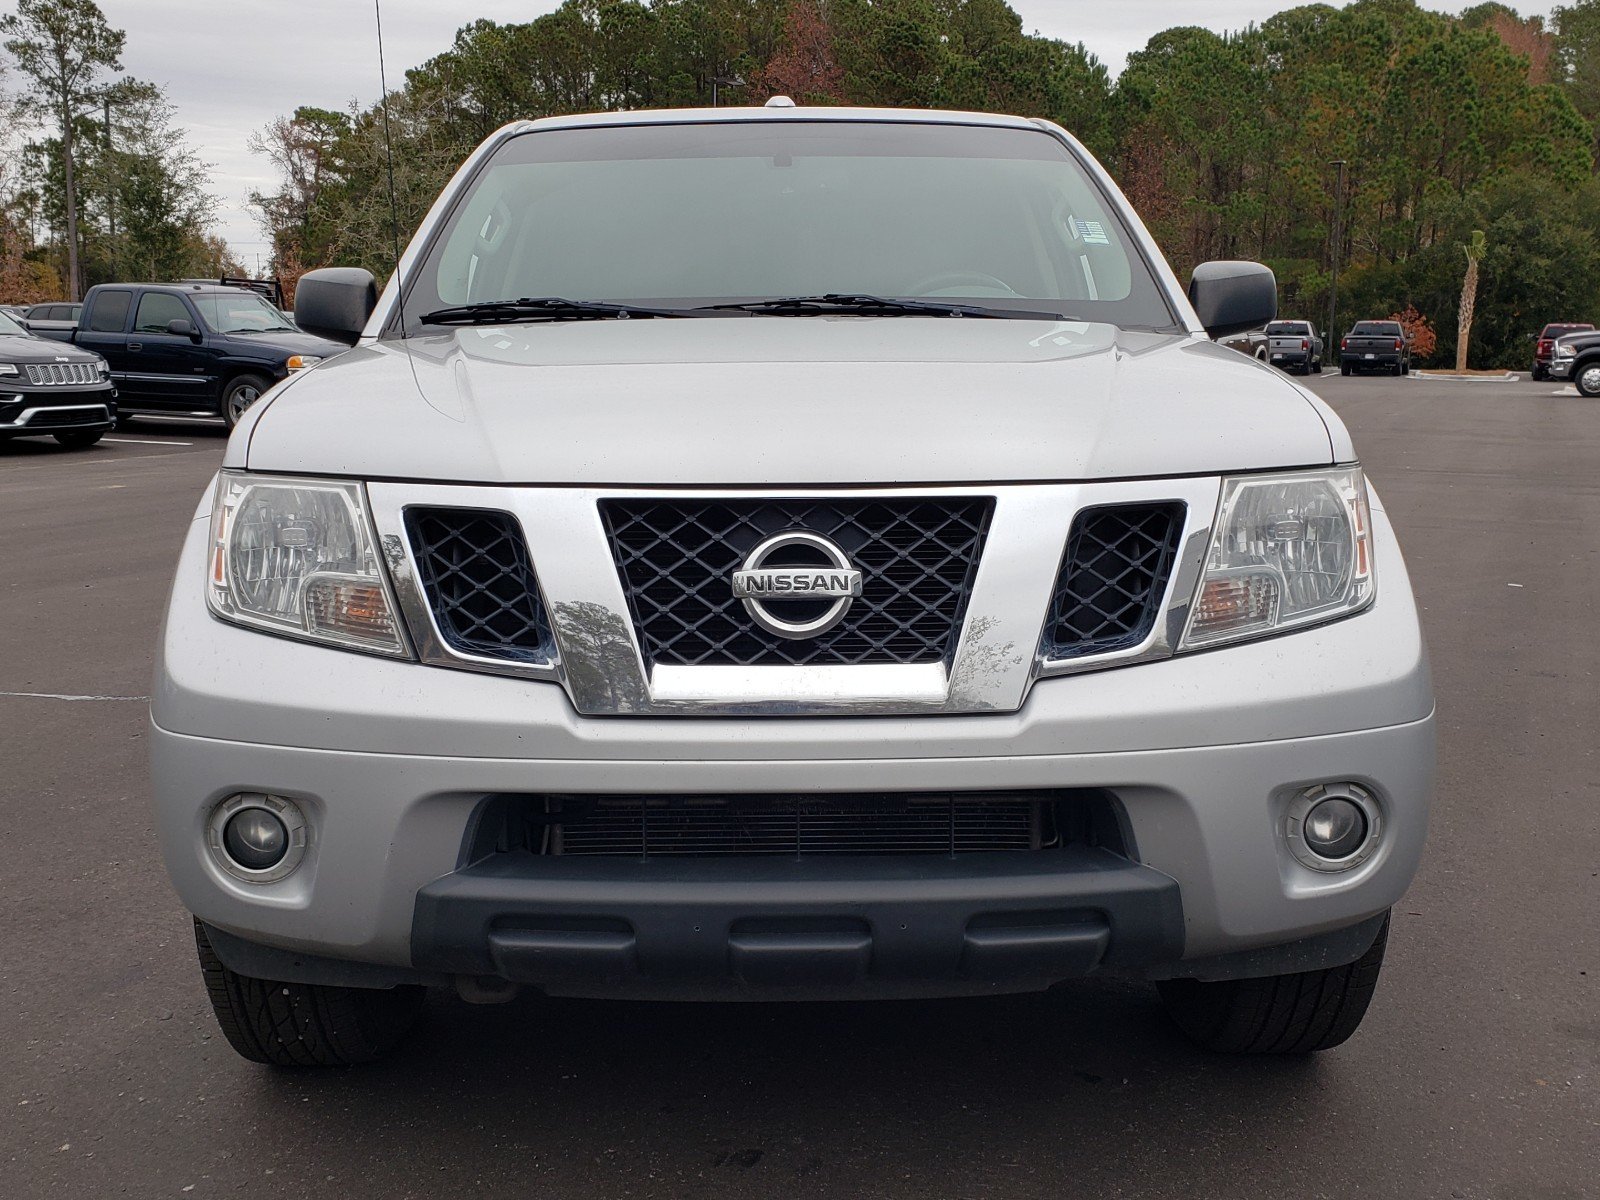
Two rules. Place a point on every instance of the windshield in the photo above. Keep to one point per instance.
(238, 312)
(693, 215)
(9, 328)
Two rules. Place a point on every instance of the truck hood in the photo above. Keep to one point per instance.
(41, 350)
(761, 401)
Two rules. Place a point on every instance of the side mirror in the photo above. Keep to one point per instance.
(1230, 297)
(183, 327)
(335, 302)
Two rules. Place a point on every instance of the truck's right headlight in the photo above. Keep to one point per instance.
(1286, 551)
(296, 557)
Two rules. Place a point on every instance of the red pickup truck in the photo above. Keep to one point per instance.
(1545, 345)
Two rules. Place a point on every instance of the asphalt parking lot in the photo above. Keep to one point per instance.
(1476, 1074)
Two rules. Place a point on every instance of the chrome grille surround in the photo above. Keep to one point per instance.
(993, 661)
(62, 374)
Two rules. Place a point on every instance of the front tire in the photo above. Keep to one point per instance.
(79, 439)
(241, 392)
(1586, 378)
(304, 1024)
(1278, 1014)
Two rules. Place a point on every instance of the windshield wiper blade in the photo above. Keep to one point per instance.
(879, 306)
(549, 308)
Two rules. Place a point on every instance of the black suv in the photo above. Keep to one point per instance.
(193, 347)
(51, 390)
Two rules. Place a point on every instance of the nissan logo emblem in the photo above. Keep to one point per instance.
(766, 591)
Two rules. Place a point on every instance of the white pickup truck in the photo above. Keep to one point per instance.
(788, 553)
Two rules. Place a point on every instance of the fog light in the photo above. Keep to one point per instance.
(257, 837)
(257, 840)
(1333, 827)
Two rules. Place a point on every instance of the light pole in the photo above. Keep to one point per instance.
(1338, 236)
(723, 81)
(111, 191)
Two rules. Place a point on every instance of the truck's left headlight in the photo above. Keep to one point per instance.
(1287, 551)
(297, 557)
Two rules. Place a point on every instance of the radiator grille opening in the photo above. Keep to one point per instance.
(796, 826)
(1113, 578)
(918, 558)
(479, 581)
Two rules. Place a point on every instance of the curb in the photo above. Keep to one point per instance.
(1508, 377)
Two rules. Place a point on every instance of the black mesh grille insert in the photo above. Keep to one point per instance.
(793, 825)
(918, 558)
(479, 582)
(1112, 578)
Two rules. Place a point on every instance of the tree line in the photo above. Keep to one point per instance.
(110, 188)
(1228, 144)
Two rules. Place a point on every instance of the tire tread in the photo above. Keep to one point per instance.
(1278, 1014)
(304, 1025)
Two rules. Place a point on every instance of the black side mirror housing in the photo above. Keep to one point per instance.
(1231, 296)
(183, 327)
(335, 302)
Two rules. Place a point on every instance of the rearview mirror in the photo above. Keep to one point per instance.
(335, 302)
(1230, 296)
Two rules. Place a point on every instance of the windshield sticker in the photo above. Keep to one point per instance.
(1093, 233)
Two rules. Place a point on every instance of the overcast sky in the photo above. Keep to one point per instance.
(232, 65)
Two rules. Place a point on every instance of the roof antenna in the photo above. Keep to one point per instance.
(388, 141)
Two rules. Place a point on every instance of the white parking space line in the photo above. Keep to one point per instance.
(140, 442)
(63, 696)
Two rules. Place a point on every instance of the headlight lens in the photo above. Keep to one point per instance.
(1286, 551)
(1563, 351)
(299, 362)
(103, 367)
(296, 556)
(9, 369)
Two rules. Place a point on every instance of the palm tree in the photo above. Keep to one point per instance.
(1469, 296)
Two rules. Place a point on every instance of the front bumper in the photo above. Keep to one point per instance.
(1558, 368)
(391, 760)
(28, 411)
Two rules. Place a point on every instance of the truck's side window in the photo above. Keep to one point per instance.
(109, 313)
(156, 310)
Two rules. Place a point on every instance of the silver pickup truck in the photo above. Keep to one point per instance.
(1294, 346)
(788, 553)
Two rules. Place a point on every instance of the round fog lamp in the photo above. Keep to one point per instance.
(1333, 826)
(256, 837)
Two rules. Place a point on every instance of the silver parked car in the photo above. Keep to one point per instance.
(790, 553)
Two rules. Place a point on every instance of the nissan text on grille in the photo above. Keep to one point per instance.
(788, 554)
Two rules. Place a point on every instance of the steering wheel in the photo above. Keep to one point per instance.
(949, 281)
